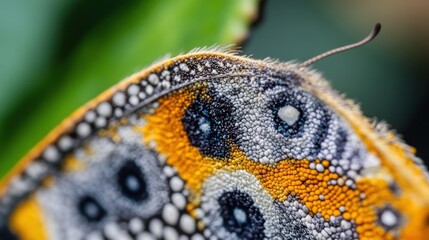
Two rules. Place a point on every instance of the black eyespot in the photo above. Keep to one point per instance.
(389, 218)
(91, 209)
(131, 182)
(240, 216)
(207, 126)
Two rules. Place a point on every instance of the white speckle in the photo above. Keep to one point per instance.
(91, 209)
(187, 223)
(94, 236)
(214, 71)
(112, 230)
(197, 237)
(155, 226)
(90, 116)
(119, 99)
(320, 167)
(177, 78)
(176, 184)
(388, 218)
(132, 183)
(170, 214)
(371, 162)
(184, 67)
(345, 224)
(200, 68)
(149, 90)
(133, 89)
(324, 234)
(134, 100)
(170, 233)
(302, 213)
(339, 170)
(136, 225)
(166, 75)
(207, 233)
(239, 215)
(142, 95)
(321, 197)
(289, 114)
(153, 79)
(178, 200)
(83, 129)
(355, 166)
(342, 209)
(65, 143)
(183, 237)
(312, 165)
(165, 84)
(104, 109)
(19, 186)
(51, 154)
(145, 236)
(36, 169)
(162, 158)
(199, 213)
(152, 144)
(118, 112)
(168, 171)
(100, 122)
(205, 127)
(352, 174)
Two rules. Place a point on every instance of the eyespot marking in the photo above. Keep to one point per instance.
(131, 182)
(90, 209)
(205, 124)
(389, 218)
(240, 216)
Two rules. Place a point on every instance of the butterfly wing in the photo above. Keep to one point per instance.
(215, 145)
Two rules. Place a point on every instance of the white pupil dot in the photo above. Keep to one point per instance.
(132, 183)
(91, 210)
(289, 114)
(240, 215)
(388, 218)
(204, 126)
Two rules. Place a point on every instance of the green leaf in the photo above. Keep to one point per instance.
(127, 42)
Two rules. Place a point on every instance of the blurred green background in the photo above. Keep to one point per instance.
(57, 55)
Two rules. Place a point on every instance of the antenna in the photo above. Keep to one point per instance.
(371, 36)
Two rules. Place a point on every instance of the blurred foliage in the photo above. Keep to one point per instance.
(57, 55)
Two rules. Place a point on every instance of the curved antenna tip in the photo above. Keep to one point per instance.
(375, 31)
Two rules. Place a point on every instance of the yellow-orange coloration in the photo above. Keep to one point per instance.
(72, 164)
(409, 177)
(288, 177)
(280, 180)
(27, 221)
